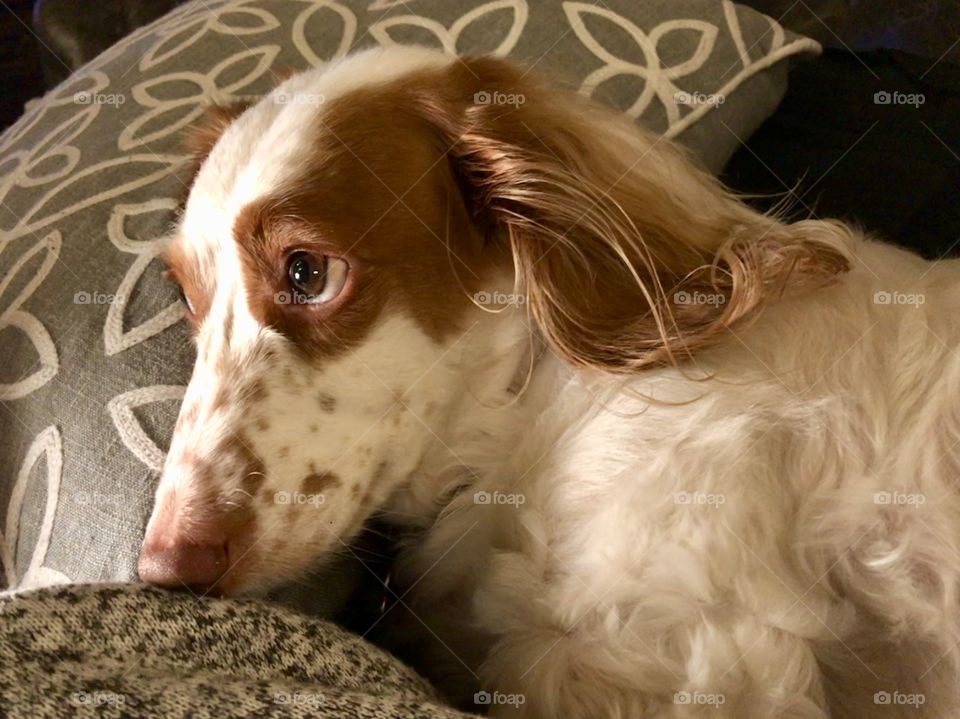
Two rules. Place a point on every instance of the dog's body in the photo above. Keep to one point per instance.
(686, 506)
(780, 539)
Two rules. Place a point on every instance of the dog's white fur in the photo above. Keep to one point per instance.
(770, 530)
(782, 536)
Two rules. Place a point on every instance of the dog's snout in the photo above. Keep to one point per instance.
(179, 554)
(180, 564)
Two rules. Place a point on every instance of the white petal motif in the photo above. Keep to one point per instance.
(52, 244)
(94, 185)
(48, 445)
(449, 38)
(184, 34)
(657, 79)
(299, 34)
(128, 427)
(387, 4)
(31, 329)
(37, 334)
(115, 338)
(184, 109)
(705, 43)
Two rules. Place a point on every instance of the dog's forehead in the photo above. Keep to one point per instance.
(264, 150)
(347, 162)
(263, 153)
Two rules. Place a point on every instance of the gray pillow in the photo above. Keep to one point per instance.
(93, 355)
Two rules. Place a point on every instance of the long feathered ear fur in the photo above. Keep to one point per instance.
(630, 255)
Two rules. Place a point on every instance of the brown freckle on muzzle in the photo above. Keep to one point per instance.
(328, 403)
(252, 469)
(221, 398)
(258, 391)
(188, 416)
(317, 482)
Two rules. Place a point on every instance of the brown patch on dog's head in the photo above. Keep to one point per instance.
(605, 226)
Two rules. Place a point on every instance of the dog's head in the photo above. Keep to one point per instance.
(368, 246)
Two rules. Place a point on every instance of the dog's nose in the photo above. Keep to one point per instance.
(179, 552)
(176, 564)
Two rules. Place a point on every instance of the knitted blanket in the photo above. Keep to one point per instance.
(128, 650)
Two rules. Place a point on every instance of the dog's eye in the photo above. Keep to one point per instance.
(316, 279)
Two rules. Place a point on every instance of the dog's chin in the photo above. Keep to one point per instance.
(322, 589)
(228, 587)
(256, 583)
(326, 585)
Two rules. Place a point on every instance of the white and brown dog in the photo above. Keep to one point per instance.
(683, 507)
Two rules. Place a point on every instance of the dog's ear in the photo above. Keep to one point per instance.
(200, 138)
(628, 253)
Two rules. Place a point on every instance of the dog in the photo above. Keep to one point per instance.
(662, 455)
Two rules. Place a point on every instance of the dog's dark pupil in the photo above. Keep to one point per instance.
(304, 275)
(301, 272)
